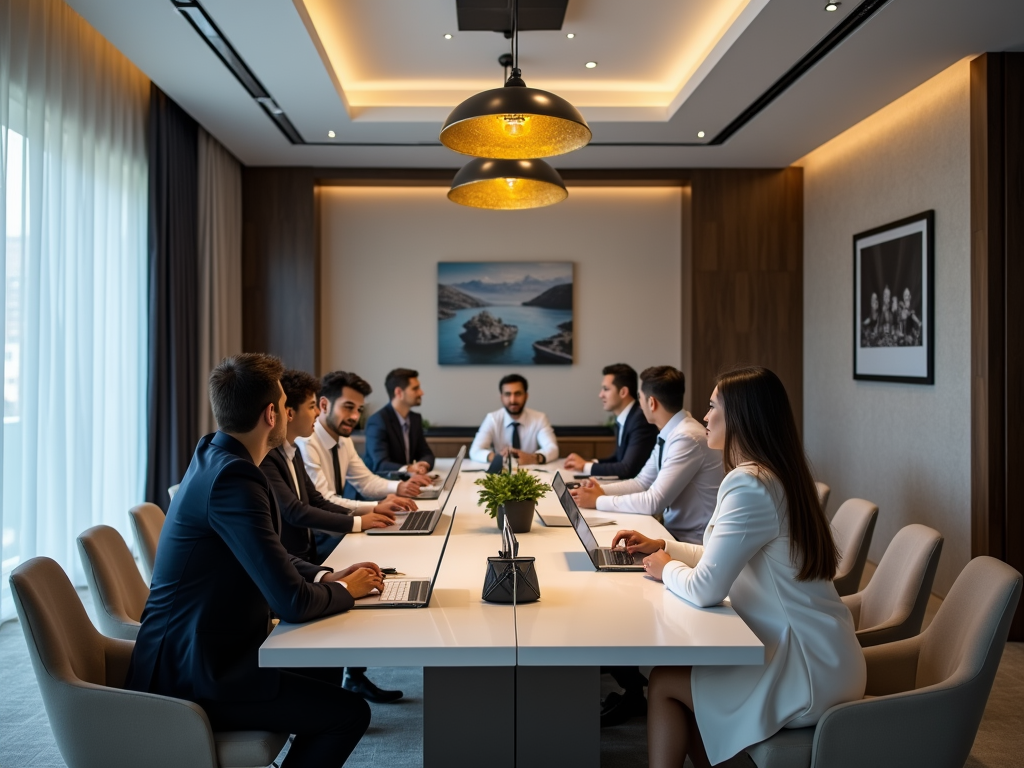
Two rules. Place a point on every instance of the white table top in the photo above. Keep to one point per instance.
(584, 617)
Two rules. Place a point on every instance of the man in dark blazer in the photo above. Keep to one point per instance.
(311, 526)
(394, 434)
(635, 436)
(221, 569)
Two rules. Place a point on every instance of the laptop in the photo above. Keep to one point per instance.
(423, 521)
(603, 558)
(561, 521)
(407, 592)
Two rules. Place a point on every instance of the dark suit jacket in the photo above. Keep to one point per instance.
(638, 439)
(300, 513)
(385, 446)
(220, 569)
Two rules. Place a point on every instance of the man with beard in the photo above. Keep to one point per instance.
(331, 460)
(221, 569)
(515, 429)
(394, 434)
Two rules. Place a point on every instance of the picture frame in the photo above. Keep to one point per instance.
(894, 301)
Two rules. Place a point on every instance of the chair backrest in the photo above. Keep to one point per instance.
(894, 601)
(147, 523)
(853, 526)
(118, 590)
(824, 492)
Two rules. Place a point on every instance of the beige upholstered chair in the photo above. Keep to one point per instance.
(928, 692)
(117, 588)
(853, 526)
(97, 723)
(891, 607)
(823, 493)
(147, 522)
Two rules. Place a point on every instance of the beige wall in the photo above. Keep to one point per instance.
(379, 253)
(905, 447)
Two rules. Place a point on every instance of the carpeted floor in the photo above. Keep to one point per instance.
(396, 733)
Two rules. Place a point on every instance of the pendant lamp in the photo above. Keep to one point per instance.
(507, 184)
(515, 122)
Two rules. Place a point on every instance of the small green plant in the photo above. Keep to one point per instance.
(502, 488)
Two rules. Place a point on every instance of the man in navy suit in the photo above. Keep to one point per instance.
(221, 569)
(634, 435)
(394, 434)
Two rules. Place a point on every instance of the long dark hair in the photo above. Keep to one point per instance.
(759, 427)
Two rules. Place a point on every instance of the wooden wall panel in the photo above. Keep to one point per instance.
(997, 314)
(281, 265)
(747, 277)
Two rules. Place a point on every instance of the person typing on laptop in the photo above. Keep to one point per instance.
(515, 429)
(679, 482)
(634, 435)
(394, 434)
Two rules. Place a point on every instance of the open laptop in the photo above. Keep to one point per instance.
(423, 521)
(407, 592)
(603, 558)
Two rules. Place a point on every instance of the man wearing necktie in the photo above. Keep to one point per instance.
(634, 435)
(515, 429)
(679, 481)
(394, 434)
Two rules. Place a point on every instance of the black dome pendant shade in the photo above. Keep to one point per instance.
(507, 184)
(515, 122)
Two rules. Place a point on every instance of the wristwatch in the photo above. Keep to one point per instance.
(540, 458)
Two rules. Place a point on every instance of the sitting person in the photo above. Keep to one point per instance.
(221, 569)
(515, 429)
(394, 434)
(769, 548)
(634, 435)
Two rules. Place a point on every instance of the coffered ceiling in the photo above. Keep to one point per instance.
(677, 83)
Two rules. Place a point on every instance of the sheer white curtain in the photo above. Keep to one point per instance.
(220, 263)
(73, 126)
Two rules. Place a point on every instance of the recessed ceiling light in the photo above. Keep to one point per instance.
(832, 7)
(570, 35)
(330, 134)
(591, 64)
(700, 134)
(448, 37)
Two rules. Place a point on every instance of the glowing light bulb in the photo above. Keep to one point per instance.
(515, 125)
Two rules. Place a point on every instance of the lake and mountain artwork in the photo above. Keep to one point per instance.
(504, 313)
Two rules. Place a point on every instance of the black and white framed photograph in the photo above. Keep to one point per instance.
(893, 301)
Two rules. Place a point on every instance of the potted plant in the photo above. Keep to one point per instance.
(514, 494)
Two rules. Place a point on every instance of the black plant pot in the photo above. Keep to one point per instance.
(520, 515)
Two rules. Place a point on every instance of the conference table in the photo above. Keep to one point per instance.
(513, 686)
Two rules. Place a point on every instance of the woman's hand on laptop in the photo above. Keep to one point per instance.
(637, 542)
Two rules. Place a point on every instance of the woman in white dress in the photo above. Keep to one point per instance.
(769, 548)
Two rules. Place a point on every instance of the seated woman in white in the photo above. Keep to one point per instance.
(769, 548)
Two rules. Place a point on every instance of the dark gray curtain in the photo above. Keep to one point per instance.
(173, 295)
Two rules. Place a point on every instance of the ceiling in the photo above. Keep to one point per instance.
(382, 76)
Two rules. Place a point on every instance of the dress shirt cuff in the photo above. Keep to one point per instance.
(604, 504)
(588, 468)
(320, 575)
(404, 468)
(357, 524)
(392, 486)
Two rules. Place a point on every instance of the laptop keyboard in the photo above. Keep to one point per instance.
(619, 557)
(417, 520)
(404, 591)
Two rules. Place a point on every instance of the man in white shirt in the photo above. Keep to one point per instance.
(330, 456)
(634, 435)
(681, 477)
(515, 429)
(680, 480)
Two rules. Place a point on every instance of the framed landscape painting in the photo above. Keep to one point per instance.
(894, 301)
(504, 313)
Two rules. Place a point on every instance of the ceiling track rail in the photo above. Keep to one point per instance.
(210, 32)
(829, 43)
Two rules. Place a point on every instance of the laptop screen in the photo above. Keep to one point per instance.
(449, 481)
(437, 570)
(573, 513)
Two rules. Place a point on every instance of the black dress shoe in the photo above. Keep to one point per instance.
(617, 708)
(363, 686)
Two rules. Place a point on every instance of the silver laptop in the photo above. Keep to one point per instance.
(407, 592)
(423, 521)
(555, 520)
(603, 558)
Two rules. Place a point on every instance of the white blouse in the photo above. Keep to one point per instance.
(813, 660)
